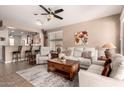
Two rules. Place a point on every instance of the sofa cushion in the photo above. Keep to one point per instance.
(85, 61)
(72, 58)
(117, 67)
(101, 53)
(71, 49)
(67, 52)
(99, 62)
(78, 51)
(88, 79)
(86, 54)
(95, 69)
(94, 53)
(92, 50)
(120, 73)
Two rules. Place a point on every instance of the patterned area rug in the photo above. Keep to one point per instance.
(39, 77)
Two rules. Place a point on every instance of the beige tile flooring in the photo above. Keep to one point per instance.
(9, 77)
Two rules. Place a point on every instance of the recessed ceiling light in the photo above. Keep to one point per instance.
(12, 31)
(22, 32)
(10, 36)
(10, 27)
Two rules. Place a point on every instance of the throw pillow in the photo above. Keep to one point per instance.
(86, 54)
(67, 52)
(77, 51)
(71, 49)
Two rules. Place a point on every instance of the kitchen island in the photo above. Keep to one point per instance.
(9, 49)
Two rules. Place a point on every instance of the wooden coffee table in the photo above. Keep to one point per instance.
(68, 68)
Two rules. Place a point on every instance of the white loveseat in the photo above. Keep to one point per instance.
(76, 54)
(93, 78)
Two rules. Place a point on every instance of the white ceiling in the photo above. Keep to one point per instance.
(23, 14)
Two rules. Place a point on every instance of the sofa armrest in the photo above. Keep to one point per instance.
(49, 56)
(37, 58)
(88, 79)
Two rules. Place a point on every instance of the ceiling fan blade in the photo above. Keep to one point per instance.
(44, 14)
(44, 8)
(35, 14)
(58, 11)
(49, 9)
(57, 16)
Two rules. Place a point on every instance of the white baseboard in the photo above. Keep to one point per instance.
(13, 61)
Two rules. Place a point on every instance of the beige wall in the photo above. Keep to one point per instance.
(100, 31)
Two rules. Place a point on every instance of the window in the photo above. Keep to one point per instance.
(55, 39)
(11, 41)
(122, 33)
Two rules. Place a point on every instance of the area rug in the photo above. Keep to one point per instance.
(39, 77)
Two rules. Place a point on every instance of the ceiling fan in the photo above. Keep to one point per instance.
(50, 13)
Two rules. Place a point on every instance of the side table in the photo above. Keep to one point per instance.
(54, 55)
(32, 59)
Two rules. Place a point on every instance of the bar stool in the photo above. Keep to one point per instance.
(19, 52)
(28, 53)
(16, 55)
(37, 51)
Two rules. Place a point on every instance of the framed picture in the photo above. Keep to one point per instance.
(81, 38)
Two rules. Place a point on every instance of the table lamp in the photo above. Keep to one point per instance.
(108, 46)
(58, 48)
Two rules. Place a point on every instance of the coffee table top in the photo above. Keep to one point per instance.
(67, 62)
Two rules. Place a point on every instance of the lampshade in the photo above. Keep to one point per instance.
(109, 46)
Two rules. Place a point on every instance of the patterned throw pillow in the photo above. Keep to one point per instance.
(67, 52)
(86, 54)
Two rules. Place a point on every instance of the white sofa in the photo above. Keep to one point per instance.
(89, 79)
(76, 53)
(93, 78)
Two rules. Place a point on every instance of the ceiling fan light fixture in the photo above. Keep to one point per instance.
(50, 16)
(38, 22)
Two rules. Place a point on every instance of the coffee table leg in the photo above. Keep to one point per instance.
(71, 77)
(48, 70)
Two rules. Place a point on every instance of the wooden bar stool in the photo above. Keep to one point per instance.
(19, 52)
(37, 51)
(16, 55)
(28, 53)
